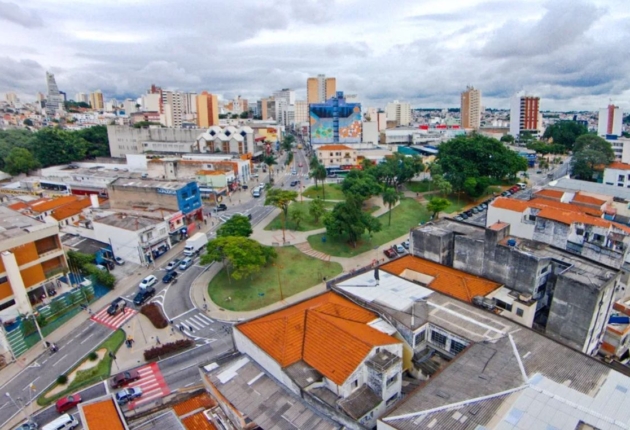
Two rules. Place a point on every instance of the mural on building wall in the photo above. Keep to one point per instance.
(327, 119)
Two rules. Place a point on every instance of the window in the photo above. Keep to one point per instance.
(457, 347)
(391, 380)
(598, 237)
(519, 312)
(503, 305)
(355, 384)
(184, 194)
(579, 231)
(392, 400)
(149, 235)
(621, 178)
(420, 337)
(438, 338)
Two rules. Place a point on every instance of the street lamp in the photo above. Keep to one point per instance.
(18, 408)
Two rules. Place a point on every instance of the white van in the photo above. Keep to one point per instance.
(522, 185)
(65, 421)
(256, 192)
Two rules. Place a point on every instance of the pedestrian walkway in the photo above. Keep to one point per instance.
(113, 321)
(195, 324)
(151, 383)
(305, 248)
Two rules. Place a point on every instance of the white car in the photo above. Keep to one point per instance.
(147, 282)
(400, 249)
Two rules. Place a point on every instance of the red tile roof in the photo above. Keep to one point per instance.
(102, 415)
(619, 166)
(521, 205)
(328, 332)
(202, 400)
(449, 281)
(569, 218)
(198, 421)
(45, 205)
(334, 148)
(555, 194)
(18, 206)
(581, 198)
(73, 208)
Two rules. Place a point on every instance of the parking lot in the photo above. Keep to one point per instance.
(477, 214)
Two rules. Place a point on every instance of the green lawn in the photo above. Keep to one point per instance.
(90, 376)
(307, 224)
(294, 271)
(420, 186)
(333, 192)
(407, 214)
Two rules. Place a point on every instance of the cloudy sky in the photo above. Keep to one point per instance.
(574, 54)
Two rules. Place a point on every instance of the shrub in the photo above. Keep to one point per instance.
(93, 356)
(155, 315)
(167, 348)
(62, 379)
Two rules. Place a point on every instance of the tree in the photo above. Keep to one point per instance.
(319, 173)
(241, 256)
(477, 157)
(390, 198)
(102, 277)
(360, 185)
(347, 220)
(590, 154)
(313, 162)
(237, 225)
(397, 169)
(270, 161)
(475, 187)
(297, 216)
(287, 142)
(281, 199)
(28, 122)
(20, 160)
(546, 148)
(53, 146)
(565, 133)
(507, 138)
(234, 116)
(98, 142)
(437, 205)
(79, 260)
(444, 186)
(316, 209)
(143, 124)
(244, 115)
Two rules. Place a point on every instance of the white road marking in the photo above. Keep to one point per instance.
(60, 359)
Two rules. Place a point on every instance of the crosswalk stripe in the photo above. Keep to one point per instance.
(205, 318)
(192, 323)
(199, 320)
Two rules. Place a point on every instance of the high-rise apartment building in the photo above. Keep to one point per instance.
(471, 109)
(82, 98)
(320, 89)
(12, 98)
(301, 111)
(207, 110)
(96, 100)
(285, 94)
(54, 100)
(610, 121)
(335, 121)
(399, 112)
(525, 115)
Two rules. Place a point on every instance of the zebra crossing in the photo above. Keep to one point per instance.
(113, 322)
(196, 324)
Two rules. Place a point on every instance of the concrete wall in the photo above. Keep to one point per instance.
(130, 197)
(433, 247)
(518, 227)
(128, 140)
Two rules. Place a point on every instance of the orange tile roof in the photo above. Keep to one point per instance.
(50, 204)
(618, 165)
(73, 208)
(449, 281)
(581, 198)
(556, 194)
(17, 206)
(198, 422)
(202, 400)
(328, 332)
(102, 416)
(569, 218)
(210, 172)
(334, 148)
(521, 205)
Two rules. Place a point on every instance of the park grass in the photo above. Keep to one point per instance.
(295, 271)
(90, 376)
(420, 186)
(307, 224)
(407, 214)
(333, 192)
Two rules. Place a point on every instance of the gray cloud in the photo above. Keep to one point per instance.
(13, 13)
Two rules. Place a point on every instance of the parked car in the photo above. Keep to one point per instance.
(406, 244)
(169, 277)
(117, 306)
(484, 206)
(400, 249)
(221, 207)
(173, 264)
(147, 282)
(119, 261)
(293, 172)
(143, 295)
(459, 218)
(538, 171)
(390, 253)
(186, 263)
(29, 425)
(464, 216)
(128, 394)
(475, 210)
(101, 267)
(294, 183)
(124, 378)
(504, 193)
(66, 403)
(469, 213)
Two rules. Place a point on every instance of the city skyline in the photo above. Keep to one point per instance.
(570, 54)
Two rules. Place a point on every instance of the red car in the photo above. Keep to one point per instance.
(300, 164)
(66, 403)
(124, 378)
(390, 253)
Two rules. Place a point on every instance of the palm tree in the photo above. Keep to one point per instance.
(270, 160)
(319, 173)
(390, 198)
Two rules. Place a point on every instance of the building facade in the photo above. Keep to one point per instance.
(610, 121)
(335, 121)
(525, 115)
(207, 110)
(320, 89)
(54, 99)
(471, 109)
(337, 157)
(399, 112)
(96, 100)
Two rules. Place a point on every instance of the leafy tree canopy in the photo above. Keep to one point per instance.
(237, 225)
(242, 256)
(397, 169)
(437, 205)
(20, 160)
(479, 157)
(360, 185)
(347, 220)
(590, 154)
(565, 133)
(546, 148)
